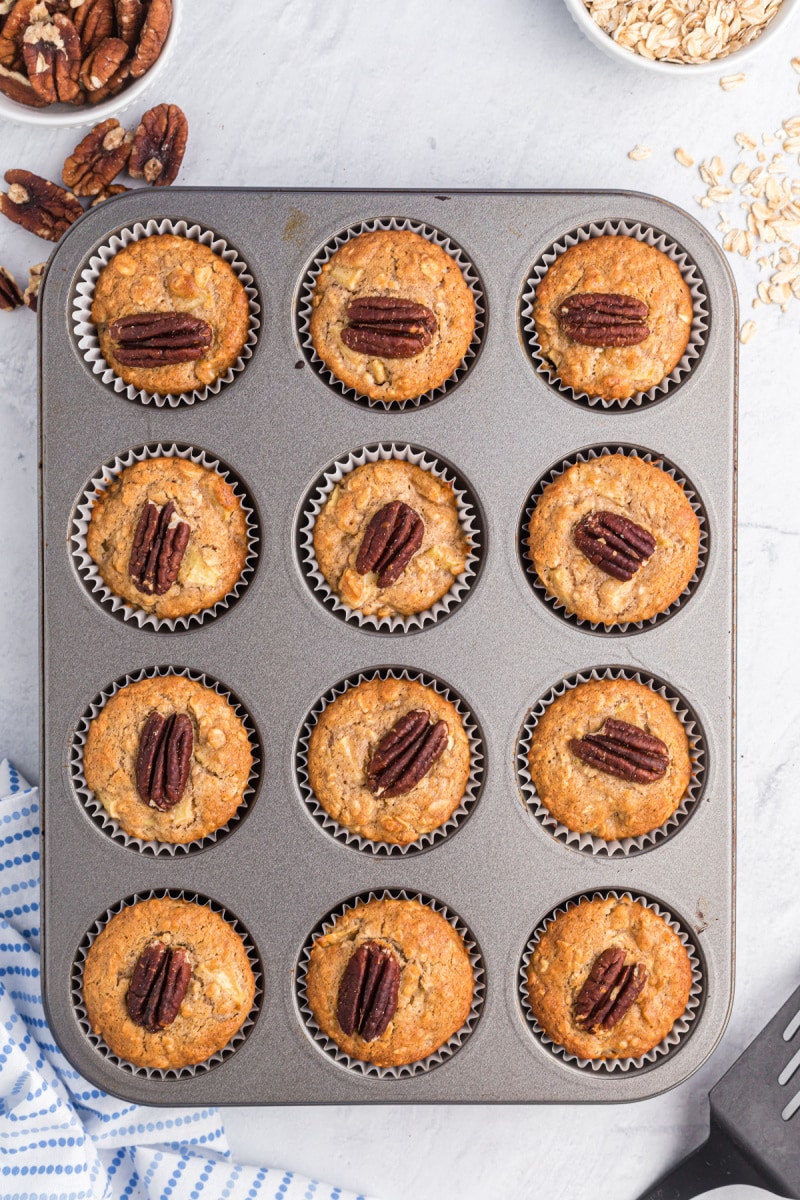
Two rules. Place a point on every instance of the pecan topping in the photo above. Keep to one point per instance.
(104, 70)
(98, 159)
(368, 991)
(388, 327)
(158, 549)
(52, 53)
(158, 985)
(157, 20)
(604, 319)
(94, 21)
(164, 760)
(130, 16)
(158, 339)
(10, 295)
(159, 145)
(609, 991)
(31, 294)
(393, 537)
(406, 753)
(625, 751)
(613, 543)
(18, 88)
(38, 205)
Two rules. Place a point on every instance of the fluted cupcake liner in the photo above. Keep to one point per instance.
(679, 1031)
(469, 516)
(94, 807)
(86, 332)
(477, 772)
(691, 275)
(611, 629)
(89, 572)
(587, 842)
(422, 1065)
(161, 1073)
(304, 309)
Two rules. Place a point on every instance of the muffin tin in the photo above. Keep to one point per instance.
(279, 425)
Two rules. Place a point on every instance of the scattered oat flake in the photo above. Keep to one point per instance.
(796, 65)
(745, 141)
(639, 153)
(747, 331)
(683, 158)
(729, 82)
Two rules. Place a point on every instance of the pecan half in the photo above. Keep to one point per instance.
(52, 53)
(368, 991)
(17, 21)
(159, 145)
(104, 70)
(406, 753)
(98, 159)
(130, 16)
(604, 319)
(613, 543)
(158, 339)
(157, 20)
(625, 751)
(31, 294)
(115, 189)
(38, 205)
(10, 295)
(392, 539)
(388, 327)
(94, 21)
(18, 88)
(609, 991)
(164, 759)
(158, 985)
(158, 549)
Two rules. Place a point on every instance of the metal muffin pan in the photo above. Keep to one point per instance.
(278, 425)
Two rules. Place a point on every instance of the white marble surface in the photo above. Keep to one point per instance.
(467, 93)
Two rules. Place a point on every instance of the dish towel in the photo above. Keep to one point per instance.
(61, 1138)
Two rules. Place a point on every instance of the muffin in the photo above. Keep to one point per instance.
(389, 541)
(355, 753)
(608, 979)
(190, 309)
(613, 315)
(610, 758)
(392, 315)
(390, 982)
(126, 772)
(614, 539)
(210, 989)
(168, 536)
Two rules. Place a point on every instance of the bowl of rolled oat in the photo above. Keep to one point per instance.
(673, 36)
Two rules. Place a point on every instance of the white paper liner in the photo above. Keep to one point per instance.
(95, 808)
(619, 627)
(306, 294)
(86, 331)
(474, 786)
(469, 517)
(87, 568)
(422, 1065)
(97, 1041)
(691, 275)
(679, 1030)
(590, 843)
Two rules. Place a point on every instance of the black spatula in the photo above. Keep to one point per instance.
(755, 1120)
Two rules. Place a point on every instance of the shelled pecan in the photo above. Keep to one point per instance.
(10, 295)
(406, 753)
(392, 539)
(158, 549)
(164, 759)
(604, 319)
(614, 543)
(159, 145)
(625, 751)
(98, 159)
(610, 991)
(158, 986)
(38, 205)
(368, 991)
(388, 327)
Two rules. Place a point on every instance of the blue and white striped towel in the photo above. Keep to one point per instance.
(61, 1138)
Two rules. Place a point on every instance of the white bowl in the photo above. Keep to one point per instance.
(66, 116)
(717, 66)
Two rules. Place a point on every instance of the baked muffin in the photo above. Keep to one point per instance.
(126, 772)
(392, 315)
(357, 744)
(613, 315)
(168, 536)
(423, 993)
(610, 758)
(211, 985)
(614, 539)
(609, 950)
(197, 307)
(389, 541)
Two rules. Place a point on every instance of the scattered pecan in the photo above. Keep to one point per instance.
(625, 751)
(388, 327)
(164, 759)
(17, 21)
(94, 21)
(159, 145)
(52, 53)
(157, 20)
(158, 985)
(10, 295)
(18, 87)
(98, 159)
(130, 16)
(35, 277)
(613, 543)
(116, 189)
(157, 339)
(604, 319)
(104, 71)
(158, 549)
(609, 991)
(406, 753)
(368, 991)
(392, 539)
(38, 205)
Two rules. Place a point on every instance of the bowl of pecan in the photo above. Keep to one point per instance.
(74, 62)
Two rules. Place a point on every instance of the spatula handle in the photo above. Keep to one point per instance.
(714, 1164)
